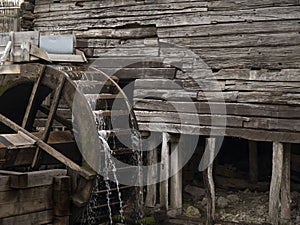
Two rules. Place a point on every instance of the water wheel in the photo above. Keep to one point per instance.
(60, 108)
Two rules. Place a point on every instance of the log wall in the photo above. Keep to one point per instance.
(251, 47)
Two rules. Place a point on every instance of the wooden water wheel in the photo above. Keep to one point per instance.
(50, 139)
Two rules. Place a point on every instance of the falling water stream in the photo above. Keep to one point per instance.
(109, 170)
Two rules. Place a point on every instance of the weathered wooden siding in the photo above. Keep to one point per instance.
(250, 46)
(9, 15)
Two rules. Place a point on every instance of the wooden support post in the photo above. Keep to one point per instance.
(61, 200)
(164, 172)
(150, 200)
(209, 182)
(176, 179)
(286, 186)
(253, 163)
(274, 197)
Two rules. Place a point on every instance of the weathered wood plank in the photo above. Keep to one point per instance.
(220, 29)
(274, 196)
(241, 109)
(249, 134)
(25, 201)
(284, 75)
(152, 175)
(189, 118)
(113, 7)
(175, 19)
(279, 57)
(209, 182)
(35, 179)
(246, 4)
(149, 10)
(176, 179)
(165, 94)
(61, 196)
(164, 172)
(4, 183)
(286, 186)
(219, 120)
(276, 97)
(43, 217)
(234, 85)
(119, 33)
(237, 40)
(140, 73)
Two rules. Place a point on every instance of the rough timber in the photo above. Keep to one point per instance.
(251, 47)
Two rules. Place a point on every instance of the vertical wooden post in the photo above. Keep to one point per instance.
(286, 186)
(152, 175)
(176, 179)
(61, 200)
(274, 197)
(209, 182)
(253, 163)
(164, 172)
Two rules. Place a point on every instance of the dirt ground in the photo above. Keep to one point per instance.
(234, 207)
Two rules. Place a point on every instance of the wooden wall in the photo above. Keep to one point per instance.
(9, 15)
(250, 46)
(34, 197)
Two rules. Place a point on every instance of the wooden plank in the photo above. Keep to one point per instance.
(241, 109)
(280, 57)
(190, 118)
(139, 73)
(246, 4)
(237, 85)
(286, 186)
(43, 217)
(61, 220)
(127, 51)
(250, 134)
(209, 182)
(4, 183)
(284, 75)
(165, 94)
(121, 33)
(253, 161)
(32, 100)
(223, 29)
(175, 19)
(237, 40)
(116, 5)
(274, 196)
(34, 179)
(25, 201)
(164, 172)
(276, 97)
(61, 196)
(176, 179)
(152, 175)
